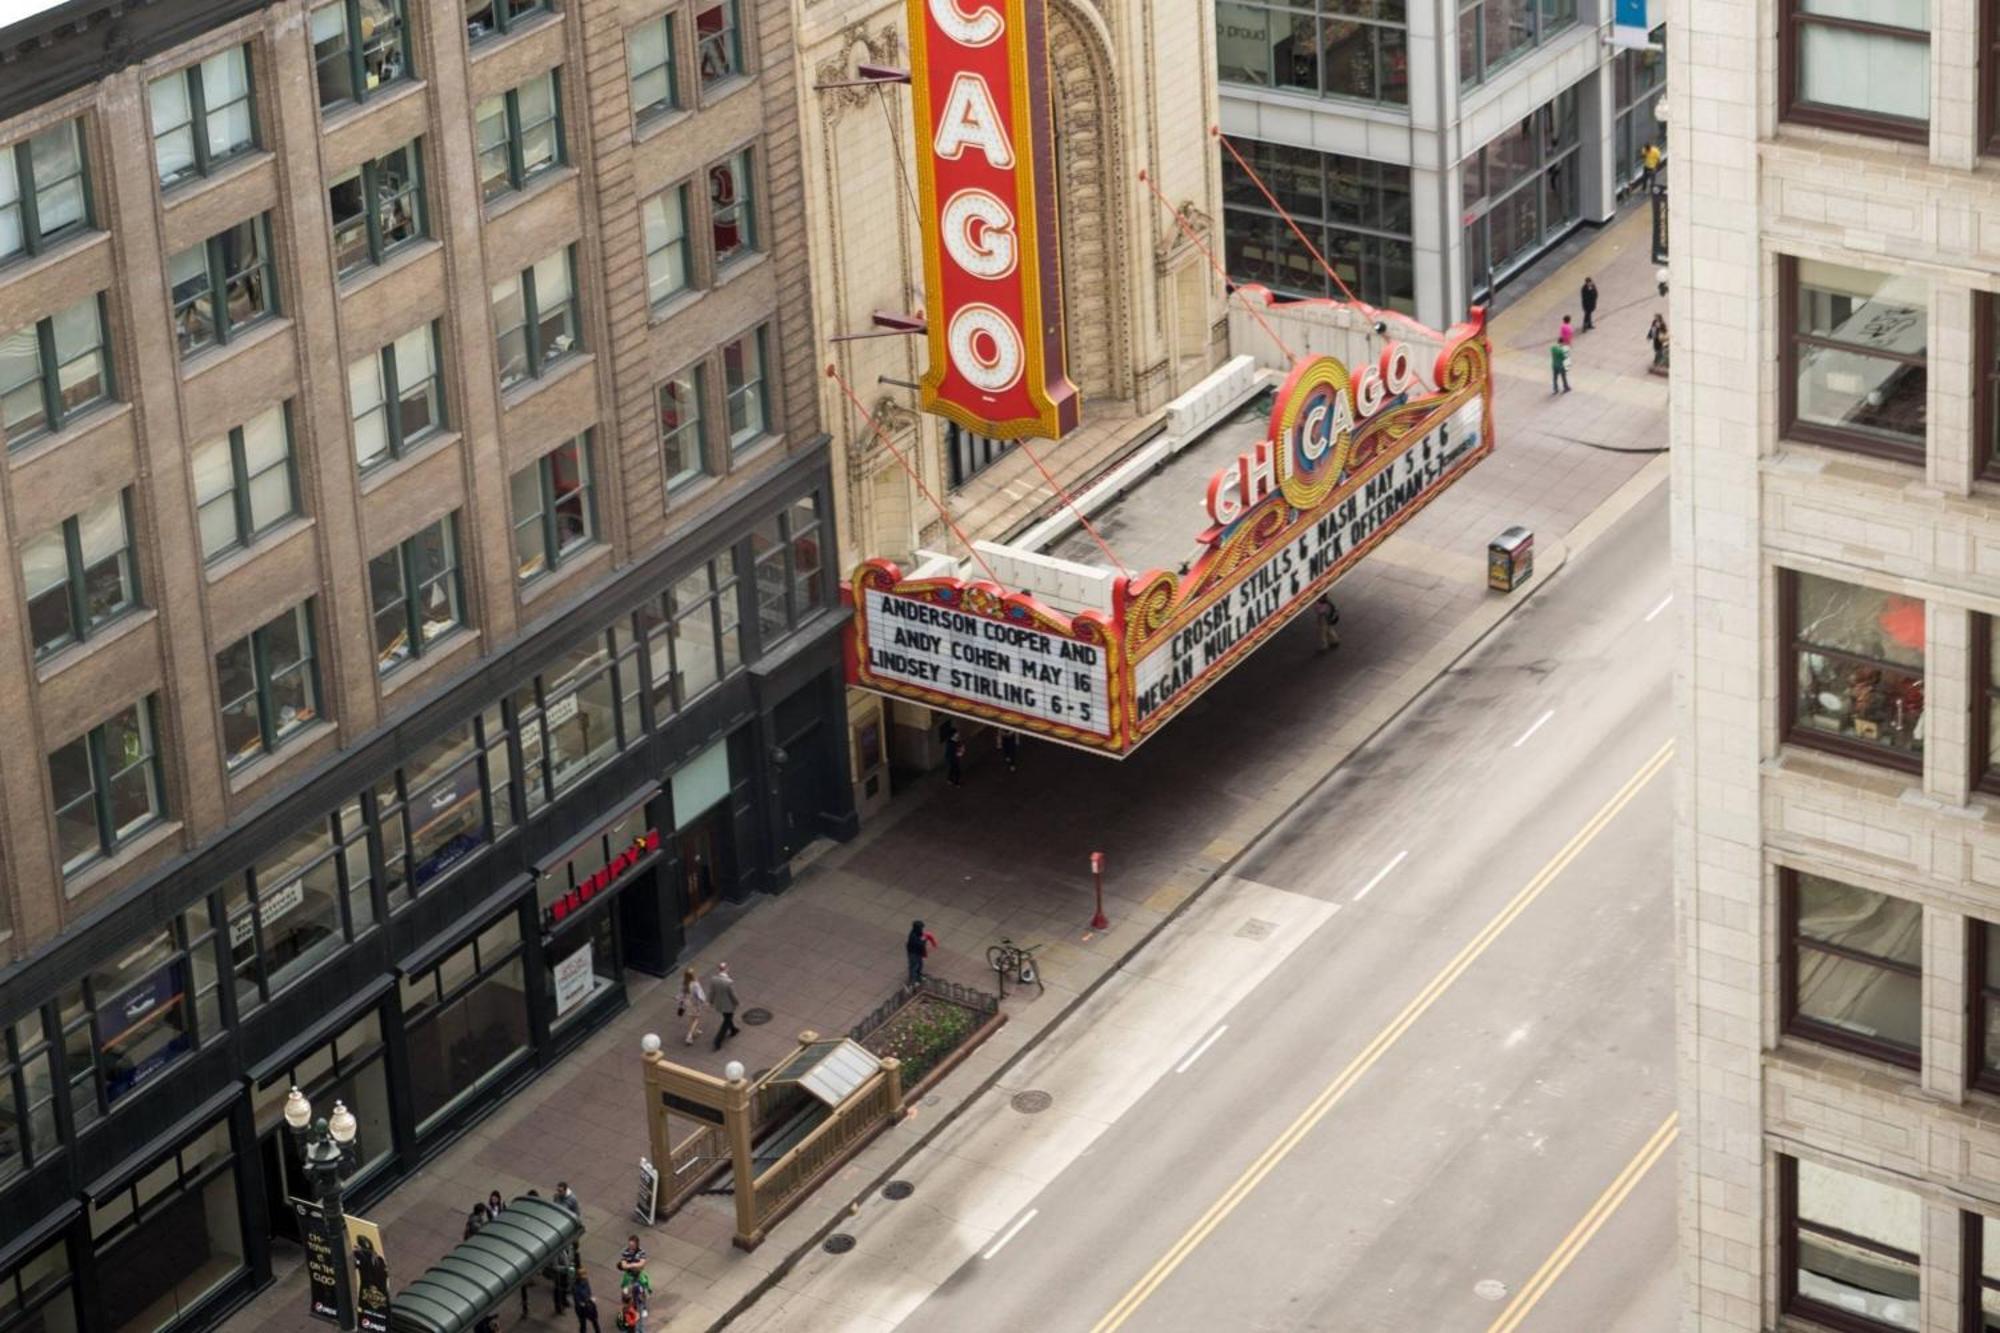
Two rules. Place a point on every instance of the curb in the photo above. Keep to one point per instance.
(1614, 507)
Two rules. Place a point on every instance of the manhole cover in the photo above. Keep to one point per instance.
(1490, 1289)
(931, 1100)
(756, 1018)
(898, 1189)
(1253, 929)
(1032, 1101)
(838, 1243)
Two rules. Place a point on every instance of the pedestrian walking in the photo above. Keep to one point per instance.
(1328, 616)
(954, 753)
(584, 1302)
(1649, 163)
(1558, 368)
(1010, 749)
(1589, 304)
(567, 1198)
(693, 1000)
(475, 1220)
(495, 1205)
(1656, 334)
(916, 948)
(722, 994)
(1567, 333)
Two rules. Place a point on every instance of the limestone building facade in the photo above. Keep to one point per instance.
(1835, 239)
(1133, 89)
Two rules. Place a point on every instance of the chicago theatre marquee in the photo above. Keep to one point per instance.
(999, 365)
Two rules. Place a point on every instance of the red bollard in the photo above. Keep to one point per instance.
(1100, 921)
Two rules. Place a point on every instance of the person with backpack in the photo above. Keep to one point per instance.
(916, 948)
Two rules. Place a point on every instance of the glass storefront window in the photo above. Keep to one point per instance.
(1857, 670)
(584, 969)
(707, 643)
(27, 1100)
(592, 856)
(467, 1021)
(349, 1069)
(534, 772)
(139, 1009)
(580, 714)
(38, 1294)
(445, 806)
(171, 1237)
(499, 771)
(1523, 189)
(1355, 210)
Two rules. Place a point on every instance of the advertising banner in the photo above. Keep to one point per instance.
(986, 178)
(370, 1275)
(1350, 455)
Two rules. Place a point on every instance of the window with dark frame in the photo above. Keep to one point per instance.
(269, 686)
(684, 459)
(1355, 210)
(124, 1021)
(244, 482)
(188, 1204)
(300, 904)
(418, 594)
(536, 318)
(80, 575)
(106, 785)
(732, 209)
(650, 63)
(237, 265)
(1870, 75)
(44, 190)
(491, 18)
(698, 643)
(378, 208)
(789, 571)
(203, 116)
(40, 1289)
(968, 453)
(1358, 50)
(1850, 1249)
(668, 272)
(553, 509)
(520, 135)
(1856, 358)
(475, 1000)
(1853, 968)
(397, 397)
(744, 388)
(443, 806)
(348, 70)
(1983, 984)
(54, 371)
(1492, 34)
(1854, 679)
(1980, 1273)
(351, 1068)
(718, 36)
(27, 1105)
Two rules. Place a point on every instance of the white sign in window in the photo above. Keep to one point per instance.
(575, 980)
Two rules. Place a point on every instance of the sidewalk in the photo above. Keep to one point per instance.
(1008, 854)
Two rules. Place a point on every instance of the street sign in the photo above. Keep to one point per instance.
(321, 1270)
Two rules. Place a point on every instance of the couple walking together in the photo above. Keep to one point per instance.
(719, 994)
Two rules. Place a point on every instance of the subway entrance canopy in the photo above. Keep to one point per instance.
(1203, 543)
(470, 1282)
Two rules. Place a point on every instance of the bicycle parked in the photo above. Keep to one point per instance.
(1007, 957)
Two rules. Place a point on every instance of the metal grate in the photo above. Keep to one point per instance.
(1032, 1102)
(754, 1018)
(838, 1243)
(898, 1189)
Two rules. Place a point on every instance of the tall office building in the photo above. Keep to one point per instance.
(1430, 151)
(418, 579)
(1836, 546)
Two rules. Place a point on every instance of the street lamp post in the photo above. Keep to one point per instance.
(330, 1156)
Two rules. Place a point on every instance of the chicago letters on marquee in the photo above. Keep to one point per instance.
(1348, 457)
(986, 174)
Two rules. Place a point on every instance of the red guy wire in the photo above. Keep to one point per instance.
(833, 373)
(1216, 264)
(1081, 517)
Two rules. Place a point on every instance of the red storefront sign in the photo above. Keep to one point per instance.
(986, 172)
(642, 846)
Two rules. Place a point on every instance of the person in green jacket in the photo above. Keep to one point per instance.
(1558, 368)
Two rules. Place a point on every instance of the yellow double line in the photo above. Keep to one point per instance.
(1579, 1236)
(1387, 1037)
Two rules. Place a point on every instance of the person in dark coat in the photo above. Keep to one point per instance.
(954, 753)
(1589, 303)
(584, 1302)
(476, 1219)
(722, 994)
(916, 947)
(1010, 750)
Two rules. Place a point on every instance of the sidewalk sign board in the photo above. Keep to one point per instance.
(649, 1193)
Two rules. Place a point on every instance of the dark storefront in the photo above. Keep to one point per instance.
(420, 927)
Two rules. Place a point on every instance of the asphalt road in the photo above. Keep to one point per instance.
(1448, 1107)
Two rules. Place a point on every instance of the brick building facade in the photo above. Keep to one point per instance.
(1132, 84)
(1835, 241)
(420, 576)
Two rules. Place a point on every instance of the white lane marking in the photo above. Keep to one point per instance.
(1664, 602)
(1196, 1053)
(1535, 728)
(1012, 1231)
(1381, 874)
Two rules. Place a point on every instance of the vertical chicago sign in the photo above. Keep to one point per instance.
(986, 173)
